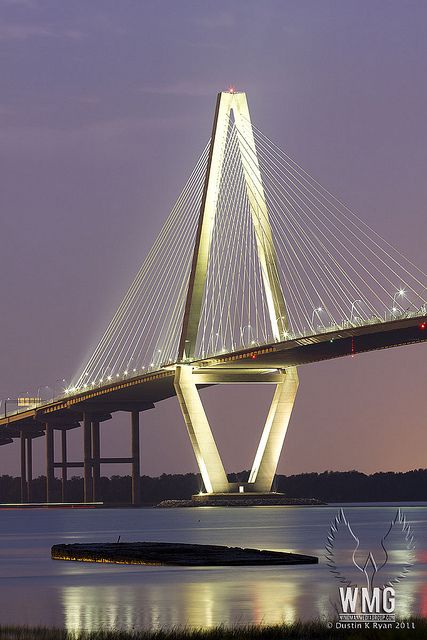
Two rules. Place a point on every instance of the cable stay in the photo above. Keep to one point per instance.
(331, 268)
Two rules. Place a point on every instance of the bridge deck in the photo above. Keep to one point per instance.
(142, 392)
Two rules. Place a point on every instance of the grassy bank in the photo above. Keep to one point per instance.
(297, 631)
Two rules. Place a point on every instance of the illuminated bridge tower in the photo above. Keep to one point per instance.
(232, 105)
(207, 307)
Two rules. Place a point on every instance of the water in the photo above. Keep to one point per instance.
(37, 590)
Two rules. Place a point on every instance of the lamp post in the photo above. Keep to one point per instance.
(52, 391)
(317, 310)
(131, 368)
(20, 400)
(400, 293)
(281, 321)
(353, 304)
(5, 406)
(242, 333)
(61, 385)
(38, 392)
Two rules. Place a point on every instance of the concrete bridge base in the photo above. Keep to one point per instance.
(250, 499)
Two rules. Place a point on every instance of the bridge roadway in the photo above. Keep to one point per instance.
(141, 392)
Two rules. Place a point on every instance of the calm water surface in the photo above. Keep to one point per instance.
(38, 590)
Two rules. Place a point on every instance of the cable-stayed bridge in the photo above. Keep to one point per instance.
(257, 270)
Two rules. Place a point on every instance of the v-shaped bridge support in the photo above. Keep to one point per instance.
(267, 456)
(271, 442)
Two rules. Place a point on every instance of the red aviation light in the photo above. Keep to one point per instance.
(253, 356)
(423, 326)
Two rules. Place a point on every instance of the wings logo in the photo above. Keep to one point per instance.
(369, 578)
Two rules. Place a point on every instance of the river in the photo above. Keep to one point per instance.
(38, 590)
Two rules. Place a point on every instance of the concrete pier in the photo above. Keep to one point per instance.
(49, 462)
(89, 419)
(87, 456)
(136, 472)
(96, 459)
(24, 486)
(29, 442)
(64, 469)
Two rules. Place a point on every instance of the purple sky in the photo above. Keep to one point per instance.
(104, 108)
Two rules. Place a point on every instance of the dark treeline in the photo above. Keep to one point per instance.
(116, 489)
(353, 486)
(329, 486)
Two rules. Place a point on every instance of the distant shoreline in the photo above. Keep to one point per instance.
(188, 505)
(327, 487)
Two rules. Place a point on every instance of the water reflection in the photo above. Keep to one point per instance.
(201, 598)
(196, 604)
(109, 596)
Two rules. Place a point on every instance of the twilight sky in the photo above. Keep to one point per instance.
(104, 108)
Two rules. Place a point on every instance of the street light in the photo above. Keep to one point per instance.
(61, 385)
(353, 304)
(317, 310)
(282, 322)
(400, 293)
(38, 397)
(5, 406)
(52, 391)
(242, 332)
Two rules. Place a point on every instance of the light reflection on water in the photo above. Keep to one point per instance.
(202, 601)
(91, 596)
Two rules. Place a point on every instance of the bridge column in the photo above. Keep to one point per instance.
(24, 487)
(50, 474)
(29, 468)
(136, 465)
(236, 103)
(87, 456)
(96, 463)
(273, 435)
(64, 465)
(204, 445)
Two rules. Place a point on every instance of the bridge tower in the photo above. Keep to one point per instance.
(233, 105)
